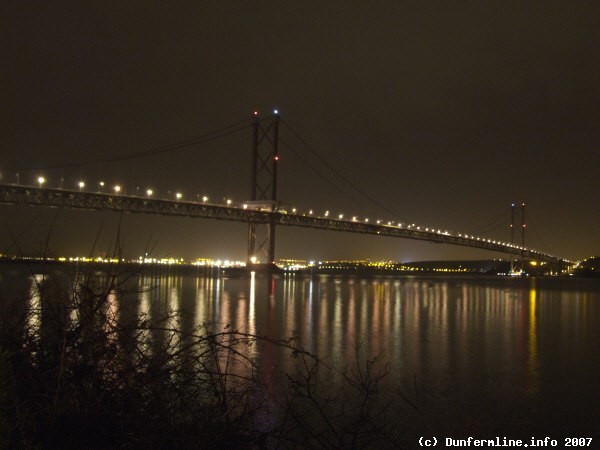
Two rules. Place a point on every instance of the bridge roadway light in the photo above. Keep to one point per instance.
(41, 181)
(117, 188)
(81, 185)
(149, 192)
(178, 195)
(101, 184)
(205, 199)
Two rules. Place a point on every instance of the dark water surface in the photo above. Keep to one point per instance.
(478, 356)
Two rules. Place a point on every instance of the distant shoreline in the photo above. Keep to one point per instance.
(498, 268)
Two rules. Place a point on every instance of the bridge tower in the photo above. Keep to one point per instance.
(265, 156)
(517, 212)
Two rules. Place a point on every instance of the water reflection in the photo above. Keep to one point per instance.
(471, 345)
(252, 305)
(532, 361)
(34, 306)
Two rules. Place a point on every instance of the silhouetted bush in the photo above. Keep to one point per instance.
(75, 374)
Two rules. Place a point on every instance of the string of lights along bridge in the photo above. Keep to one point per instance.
(263, 210)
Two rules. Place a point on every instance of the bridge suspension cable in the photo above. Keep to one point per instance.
(317, 171)
(332, 168)
(531, 225)
(498, 222)
(212, 135)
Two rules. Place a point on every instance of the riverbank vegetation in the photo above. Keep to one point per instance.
(76, 372)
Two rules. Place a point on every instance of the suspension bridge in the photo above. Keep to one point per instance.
(263, 211)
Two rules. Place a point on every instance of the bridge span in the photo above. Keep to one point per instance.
(249, 213)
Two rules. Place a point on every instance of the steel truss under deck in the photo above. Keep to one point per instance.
(59, 198)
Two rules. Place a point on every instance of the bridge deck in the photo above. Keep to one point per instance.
(62, 198)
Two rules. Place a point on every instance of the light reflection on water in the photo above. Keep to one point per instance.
(532, 360)
(34, 316)
(525, 350)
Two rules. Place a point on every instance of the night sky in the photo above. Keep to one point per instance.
(437, 113)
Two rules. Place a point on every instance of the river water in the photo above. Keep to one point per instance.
(514, 357)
